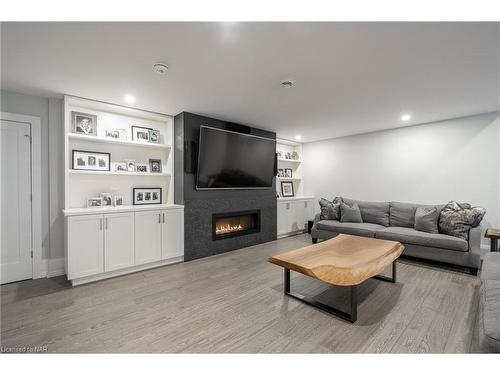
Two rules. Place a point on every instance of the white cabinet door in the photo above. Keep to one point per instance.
(282, 218)
(303, 213)
(118, 241)
(148, 227)
(172, 234)
(291, 213)
(85, 246)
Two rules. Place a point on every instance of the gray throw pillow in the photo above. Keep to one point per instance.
(329, 210)
(426, 219)
(457, 219)
(350, 214)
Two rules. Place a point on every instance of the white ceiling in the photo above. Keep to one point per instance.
(349, 77)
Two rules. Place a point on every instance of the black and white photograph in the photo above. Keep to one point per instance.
(281, 173)
(91, 160)
(107, 199)
(117, 200)
(155, 165)
(139, 167)
(288, 173)
(94, 202)
(287, 189)
(140, 134)
(121, 167)
(147, 196)
(83, 123)
(130, 165)
(154, 136)
(112, 134)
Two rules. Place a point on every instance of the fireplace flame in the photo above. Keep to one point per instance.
(222, 229)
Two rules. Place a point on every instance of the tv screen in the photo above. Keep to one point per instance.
(230, 160)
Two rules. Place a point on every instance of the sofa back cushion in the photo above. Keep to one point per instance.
(402, 214)
(350, 213)
(372, 212)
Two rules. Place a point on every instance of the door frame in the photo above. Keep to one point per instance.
(36, 188)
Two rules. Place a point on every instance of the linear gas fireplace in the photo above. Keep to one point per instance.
(231, 224)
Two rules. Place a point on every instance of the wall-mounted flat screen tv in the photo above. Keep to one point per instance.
(231, 160)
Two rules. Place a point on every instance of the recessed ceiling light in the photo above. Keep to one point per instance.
(160, 68)
(406, 117)
(298, 137)
(287, 83)
(129, 99)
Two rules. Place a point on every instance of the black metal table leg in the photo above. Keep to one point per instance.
(493, 244)
(391, 279)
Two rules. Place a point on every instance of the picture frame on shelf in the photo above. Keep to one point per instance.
(287, 189)
(130, 165)
(288, 173)
(142, 196)
(117, 200)
(122, 134)
(112, 134)
(140, 167)
(288, 155)
(84, 123)
(107, 200)
(94, 202)
(121, 167)
(295, 156)
(155, 165)
(281, 173)
(91, 160)
(154, 136)
(279, 155)
(140, 134)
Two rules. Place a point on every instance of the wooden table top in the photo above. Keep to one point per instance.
(492, 233)
(342, 260)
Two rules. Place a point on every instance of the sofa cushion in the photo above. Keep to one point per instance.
(490, 269)
(415, 237)
(403, 214)
(329, 210)
(426, 219)
(357, 229)
(489, 318)
(457, 219)
(350, 213)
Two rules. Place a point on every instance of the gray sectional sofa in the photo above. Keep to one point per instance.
(395, 221)
(489, 304)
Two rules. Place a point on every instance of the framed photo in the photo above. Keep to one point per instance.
(288, 172)
(147, 196)
(140, 134)
(130, 165)
(287, 189)
(288, 155)
(139, 167)
(112, 134)
(121, 167)
(107, 200)
(281, 173)
(154, 136)
(83, 123)
(91, 160)
(122, 134)
(94, 202)
(279, 154)
(118, 200)
(155, 165)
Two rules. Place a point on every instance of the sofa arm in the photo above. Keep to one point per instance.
(475, 239)
(317, 218)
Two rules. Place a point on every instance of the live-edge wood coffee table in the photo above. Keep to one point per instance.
(344, 260)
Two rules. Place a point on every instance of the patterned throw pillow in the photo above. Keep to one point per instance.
(330, 210)
(457, 219)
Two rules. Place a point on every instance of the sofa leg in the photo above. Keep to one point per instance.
(473, 271)
(314, 240)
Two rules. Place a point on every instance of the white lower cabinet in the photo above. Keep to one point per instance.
(102, 243)
(293, 215)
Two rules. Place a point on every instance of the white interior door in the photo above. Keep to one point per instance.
(15, 202)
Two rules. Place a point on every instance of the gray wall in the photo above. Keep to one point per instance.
(455, 159)
(50, 111)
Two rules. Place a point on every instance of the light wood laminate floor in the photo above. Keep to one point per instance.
(234, 303)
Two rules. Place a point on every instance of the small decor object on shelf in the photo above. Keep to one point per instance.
(107, 200)
(140, 134)
(121, 167)
(295, 156)
(288, 155)
(287, 189)
(288, 172)
(118, 200)
(279, 154)
(91, 160)
(83, 123)
(280, 172)
(112, 134)
(94, 202)
(122, 134)
(154, 136)
(147, 196)
(278, 194)
(130, 165)
(139, 167)
(155, 165)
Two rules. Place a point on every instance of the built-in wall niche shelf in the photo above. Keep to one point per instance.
(89, 138)
(108, 173)
(290, 160)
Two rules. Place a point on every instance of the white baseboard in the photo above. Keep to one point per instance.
(55, 267)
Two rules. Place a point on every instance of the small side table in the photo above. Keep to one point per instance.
(494, 236)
